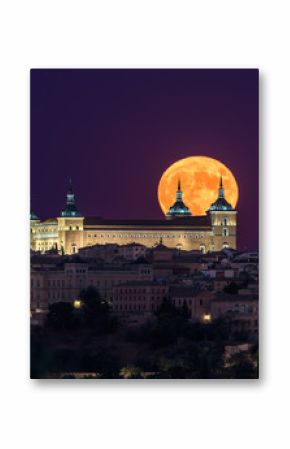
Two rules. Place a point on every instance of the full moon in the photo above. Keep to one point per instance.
(199, 177)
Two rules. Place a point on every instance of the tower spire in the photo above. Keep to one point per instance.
(179, 191)
(179, 209)
(70, 189)
(70, 209)
(221, 203)
(221, 189)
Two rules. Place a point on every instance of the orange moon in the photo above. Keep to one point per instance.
(199, 177)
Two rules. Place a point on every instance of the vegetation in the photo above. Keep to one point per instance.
(232, 288)
(93, 313)
(169, 346)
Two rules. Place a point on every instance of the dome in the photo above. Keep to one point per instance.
(178, 209)
(70, 210)
(33, 216)
(221, 203)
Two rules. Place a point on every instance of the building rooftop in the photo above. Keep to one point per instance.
(226, 297)
(202, 221)
(178, 209)
(221, 203)
(142, 283)
(184, 291)
(33, 216)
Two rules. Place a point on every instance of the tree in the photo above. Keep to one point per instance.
(172, 322)
(131, 372)
(92, 306)
(242, 366)
(96, 311)
(232, 288)
(61, 316)
(185, 311)
(102, 361)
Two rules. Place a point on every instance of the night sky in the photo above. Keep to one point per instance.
(114, 132)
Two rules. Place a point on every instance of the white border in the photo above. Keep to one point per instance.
(144, 34)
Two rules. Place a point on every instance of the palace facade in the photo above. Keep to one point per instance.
(71, 231)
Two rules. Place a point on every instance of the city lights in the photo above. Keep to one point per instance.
(77, 303)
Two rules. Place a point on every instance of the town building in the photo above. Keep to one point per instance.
(198, 302)
(243, 309)
(139, 296)
(63, 281)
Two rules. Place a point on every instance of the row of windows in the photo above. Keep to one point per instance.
(240, 308)
(136, 298)
(147, 271)
(188, 301)
(177, 302)
(131, 307)
(69, 282)
(78, 270)
(46, 244)
(141, 290)
(45, 229)
(172, 236)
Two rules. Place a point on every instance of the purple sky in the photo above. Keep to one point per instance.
(115, 132)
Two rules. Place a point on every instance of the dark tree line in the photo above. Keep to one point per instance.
(169, 346)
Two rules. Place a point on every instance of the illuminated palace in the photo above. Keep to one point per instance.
(71, 230)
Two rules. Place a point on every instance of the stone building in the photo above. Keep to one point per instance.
(64, 281)
(139, 296)
(243, 309)
(198, 302)
(71, 231)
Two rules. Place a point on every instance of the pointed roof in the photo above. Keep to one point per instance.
(33, 216)
(221, 204)
(160, 246)
(178, 209)
(70, 210)
(70, 189)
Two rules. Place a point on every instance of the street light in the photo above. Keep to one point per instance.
(77, 303)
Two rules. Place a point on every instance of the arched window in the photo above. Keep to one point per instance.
(225, 232)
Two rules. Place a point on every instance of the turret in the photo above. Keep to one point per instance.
(221, 203)
(224, 221)
(179, 209)
(70, 209)
(70, 225)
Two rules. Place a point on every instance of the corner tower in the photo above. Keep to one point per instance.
(34, 223)
(178, 209)
(70, 225)
(224, 222)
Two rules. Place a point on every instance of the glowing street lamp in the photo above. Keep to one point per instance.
(77, 303)
(207, 318)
